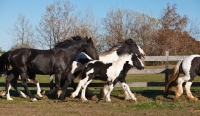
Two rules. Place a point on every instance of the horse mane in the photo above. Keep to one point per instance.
(120, 45)
(68, 42)
(114, 48)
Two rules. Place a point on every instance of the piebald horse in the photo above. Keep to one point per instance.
(111, 72)
(190, 66)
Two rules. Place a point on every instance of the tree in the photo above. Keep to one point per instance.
(169, 35)
(23, 34)
(123, 24)
(60, 22)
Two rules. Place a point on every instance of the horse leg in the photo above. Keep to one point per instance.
(51, 82)
(10, 76)
(179, 89)
(7, 92)
(80, 84)
(38, 89)
(83, 98)
(73, 85)
(127, 95)
(189, 93)
(89, 94)
(127, 89)
(14, 84)
(62, 95)
(24, 77)
(57, 85)
(20, 92)
(103, 91)
(110, 88)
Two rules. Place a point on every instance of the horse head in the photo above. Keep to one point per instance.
(137, 62)
(90, 49)
(134, 48)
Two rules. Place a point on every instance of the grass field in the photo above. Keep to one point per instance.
(150, 102)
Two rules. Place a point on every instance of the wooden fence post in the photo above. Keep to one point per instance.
(166, 66)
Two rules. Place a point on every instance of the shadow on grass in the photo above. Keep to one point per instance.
(149, 94)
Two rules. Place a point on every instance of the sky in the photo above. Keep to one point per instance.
(33, 10)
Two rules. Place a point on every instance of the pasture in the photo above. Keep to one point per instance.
(150, 101)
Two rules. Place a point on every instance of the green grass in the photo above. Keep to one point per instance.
(129, 78)
(150, 101)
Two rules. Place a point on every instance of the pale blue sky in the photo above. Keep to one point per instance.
(33, 9)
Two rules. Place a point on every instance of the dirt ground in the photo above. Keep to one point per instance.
(148, 104)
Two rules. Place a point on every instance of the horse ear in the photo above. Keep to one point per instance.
(129, 41)
(89, 40)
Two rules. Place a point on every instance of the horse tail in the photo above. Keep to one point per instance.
(4, 61)
(172, 78)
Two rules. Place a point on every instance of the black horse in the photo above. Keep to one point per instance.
(57, 61)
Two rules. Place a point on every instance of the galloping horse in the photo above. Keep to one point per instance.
(111, 72)
(113, 54)
(190, 66)
(57, 61)
(7, 70)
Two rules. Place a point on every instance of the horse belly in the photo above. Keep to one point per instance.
(41, 69)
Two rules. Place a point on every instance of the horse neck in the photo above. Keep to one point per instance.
(123, 59)
(109, 57)
(76, 50)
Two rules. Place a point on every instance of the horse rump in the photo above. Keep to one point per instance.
(172, 78)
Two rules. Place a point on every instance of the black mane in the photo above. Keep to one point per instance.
(128, 46)
(68, 42)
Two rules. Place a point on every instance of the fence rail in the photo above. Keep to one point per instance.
(165, 71)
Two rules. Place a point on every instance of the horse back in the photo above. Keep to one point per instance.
(38, 61)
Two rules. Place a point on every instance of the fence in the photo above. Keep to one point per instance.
(165, 71)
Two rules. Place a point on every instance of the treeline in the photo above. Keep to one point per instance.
(61, 20)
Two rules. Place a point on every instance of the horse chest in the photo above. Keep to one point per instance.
(114, 71)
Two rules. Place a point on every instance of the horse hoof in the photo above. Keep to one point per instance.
(127, 99)
(33, 99)
(59, 93)
(3, 93)
(165, 95)
(43, 92)
(94, 97)
(108, 100)
(40, 94)
(84, 100)
(9, 99)
(23, 96)
(196, 99)
(193, 99)
(72, 95)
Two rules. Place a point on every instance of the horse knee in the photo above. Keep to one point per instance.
(124, 86)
